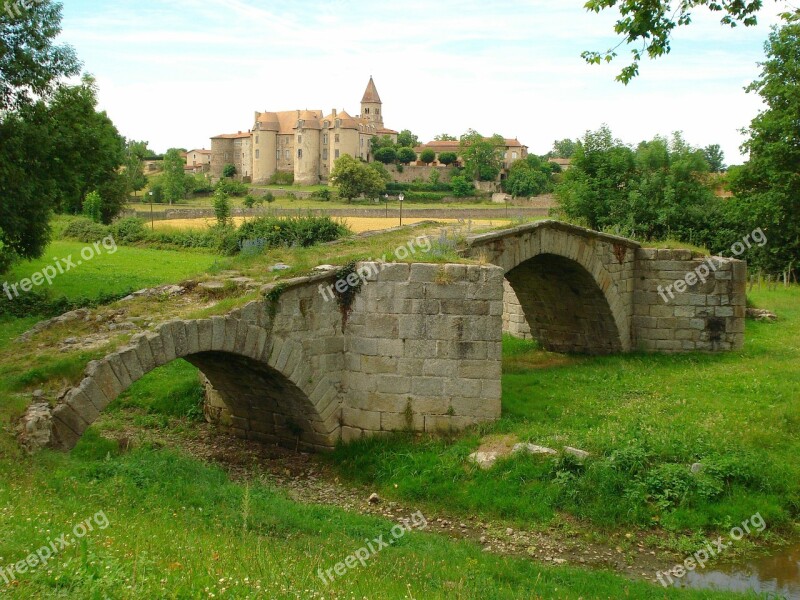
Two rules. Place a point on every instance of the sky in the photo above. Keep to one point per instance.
(177, 73)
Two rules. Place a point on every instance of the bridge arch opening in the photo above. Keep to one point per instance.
(260, 388)
(253, 400)
(556, 301)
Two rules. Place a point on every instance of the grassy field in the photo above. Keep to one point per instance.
(181, 528)
(112, 271)
(645, 419)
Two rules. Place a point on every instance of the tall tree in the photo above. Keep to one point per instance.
(768, 185)
(445, 137)
(406, 139)
(88, 149)
(174, 177)
(648, 25)
(31, 69)
(563, 148)
(483, 157)
(31, 64)
(353, 178)
(135, 155)
(715, 158)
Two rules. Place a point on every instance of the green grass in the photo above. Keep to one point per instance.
(127, 268)
(644, 418)
(173, 527)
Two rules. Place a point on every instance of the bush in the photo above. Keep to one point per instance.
(85, 230)
(322, 195)
(128, 231)
(228, 170)
(281, 178)
(273, 232)
(199, 184)
(232, 187)
(462, 187)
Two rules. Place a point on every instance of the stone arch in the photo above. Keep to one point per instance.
(563, 306)
(573, 286)
(264, 380)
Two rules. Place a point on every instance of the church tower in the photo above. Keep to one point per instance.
(371, 105)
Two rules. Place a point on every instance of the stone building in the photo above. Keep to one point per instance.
(305, 143)
(513, 150)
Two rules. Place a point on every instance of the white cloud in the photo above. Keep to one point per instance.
(177, 74)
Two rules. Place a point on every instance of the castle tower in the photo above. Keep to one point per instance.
(371, 105)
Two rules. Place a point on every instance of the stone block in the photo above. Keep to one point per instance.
(82, 404)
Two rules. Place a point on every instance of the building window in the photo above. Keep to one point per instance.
(514, 155)
(336, 139)
(287, 155)
(362, 142)
(336, 153)
(299, 139)
(325, 139)
(277, 154)
(256, 139)
(226, 156)
(257, 153)
(366, 111)
(377, 111)
(299, 153)
(324, 154)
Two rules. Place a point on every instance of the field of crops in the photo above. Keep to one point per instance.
(356, 224)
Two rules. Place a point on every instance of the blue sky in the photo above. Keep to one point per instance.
(176, 73)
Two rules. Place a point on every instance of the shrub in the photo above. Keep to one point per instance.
(128, 231)
(199, 184)
(419, 187)
(282, 178)
(232, 187)
(222, 207)
(323, 195)
(228, 170)
(273, 232)
(462, 187)
(85, 230)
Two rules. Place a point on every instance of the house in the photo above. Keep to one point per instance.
(513, 150)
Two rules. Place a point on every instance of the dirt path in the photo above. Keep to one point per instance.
(306, 478)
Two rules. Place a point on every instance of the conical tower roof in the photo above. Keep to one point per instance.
(371, 94)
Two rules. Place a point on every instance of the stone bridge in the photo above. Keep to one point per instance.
(417, 347)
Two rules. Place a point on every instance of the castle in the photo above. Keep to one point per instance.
(302, 142)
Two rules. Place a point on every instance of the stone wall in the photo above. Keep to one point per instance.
(514, 322)
(692, 314)
(423, 349)
(413, 173)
